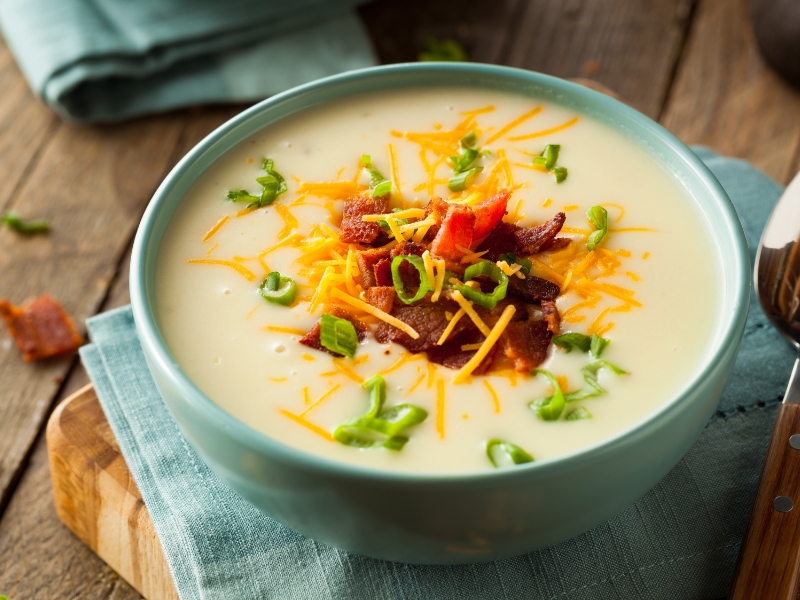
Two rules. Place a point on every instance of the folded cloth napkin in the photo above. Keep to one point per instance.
(679, 541)
(114, 59)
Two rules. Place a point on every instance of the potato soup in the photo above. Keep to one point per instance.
(310, 286)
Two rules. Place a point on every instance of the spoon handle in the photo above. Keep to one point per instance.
(770, 553)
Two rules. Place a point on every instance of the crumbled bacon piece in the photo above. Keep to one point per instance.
(551, 316)
(408, 249)
(383, 272)
(354, 230)
(536, 239)
(438, 208)
(489, 213)
(40, 327)
(557, 244)
(366, 261)
(490, 317)
(381, 297)
(501, 240)
(526, 343)
(428, 319)
(532, 288)
(456, 230)
(451, 355)
(311, 339)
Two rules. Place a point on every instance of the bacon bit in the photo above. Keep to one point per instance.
(551, 316)
(383, 272)
(557, 244)
(533, 289)
(353, 229)
(456, 230)
(501, 240)
(437, 208)
(381, 297)
(216, 228)
(427, 319)
(366, 261)
(536, 239)
(40, 327)
(489, 213)
(311, 339)
(526, 343)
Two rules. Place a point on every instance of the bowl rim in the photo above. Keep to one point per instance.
(734, 308)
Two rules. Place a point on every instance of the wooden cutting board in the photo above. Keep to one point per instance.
(97, 498)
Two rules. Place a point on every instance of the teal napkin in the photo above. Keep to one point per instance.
(679, 541)
(109, 60)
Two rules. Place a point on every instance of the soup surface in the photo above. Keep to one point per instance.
(631, 290)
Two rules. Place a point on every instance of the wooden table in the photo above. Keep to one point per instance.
(690, 64)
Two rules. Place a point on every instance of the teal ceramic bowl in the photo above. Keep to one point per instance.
(459, 518)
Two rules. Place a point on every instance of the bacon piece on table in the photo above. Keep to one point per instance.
(381, 297)
(532, 288)
(456, 230)
(311, 339)
(501, 240)
(40, 327)
(489, 213)
(535, 239)
(551, 316)
(526, 343)
(366, 261)
(354, 230)
(428, 319)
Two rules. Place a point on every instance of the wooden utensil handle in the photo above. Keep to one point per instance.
(770, 553)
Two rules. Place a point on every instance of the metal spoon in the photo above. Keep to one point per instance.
(769, 557)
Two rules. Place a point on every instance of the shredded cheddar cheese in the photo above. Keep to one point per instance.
(489, 342)
(376, 312)
(308, 425)
(466, 306)
(409, 213)
(212, 232)
(241, 269)
(450, 326)
(495, 398)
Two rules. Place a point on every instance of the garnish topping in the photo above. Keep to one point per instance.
(338, 335)
(13, 220)
(594, 343)
(376, 428)
(550, 408)
(378, 184)
(40, 327)
(462, 180)
(397, 280)
(505, 454)
(273, 185)
(488, 269)
(598, 216)
(578, 413)
(593, 388)
(547, 160)
(278, 289)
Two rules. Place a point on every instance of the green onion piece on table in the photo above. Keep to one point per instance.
(598, 216)
(13, 220)
(460, 182)
(493, 272)
(376, 428)
(278, 289)
(338, 335)
(550, 408)
(378, 184)
(442, 50)
(578, 413)
(397, 280)
(505, 454)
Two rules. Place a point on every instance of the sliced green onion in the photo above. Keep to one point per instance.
(522, 262)
(397, 280)
(463, 161)
(338, 335)
(593, 387)
(462, 181)
(278, 289)
(576, 340)
(560, 173)
(598, 216)
(493, 272)
(242, 196)
(576, 414)
(376, 428)
(378, 184)
(506, 454)
(383, 223)
(443, 50)
(448, 275)
(550, 408)
(598, 344)
(468, 141)
(13, 220)
(548, 157)
(273, 183)
(382, 189)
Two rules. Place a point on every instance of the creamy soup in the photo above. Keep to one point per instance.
(649, 288)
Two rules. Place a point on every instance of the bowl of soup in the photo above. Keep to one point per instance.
(440, 313)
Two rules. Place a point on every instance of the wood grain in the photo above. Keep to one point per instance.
(96, 497)
(630, 47)
(726, 97)
(770, 554)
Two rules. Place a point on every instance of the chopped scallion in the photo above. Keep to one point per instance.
(278, 289)
(506, 454)
(13, 220)
(468, 141)
(598, 344)
(578, 413)
(464, 161)
(338, 335)
(397, 280)
(593, 388)
(548, 158)
(242, 196)
(598, 216)
(492, 271)
(378, 184)
(522, 262)
(550, 408)
(462, 181)
(570, 340)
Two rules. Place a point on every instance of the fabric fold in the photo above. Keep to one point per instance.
(679, 541)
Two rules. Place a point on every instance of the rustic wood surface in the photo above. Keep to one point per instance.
(692, 64)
